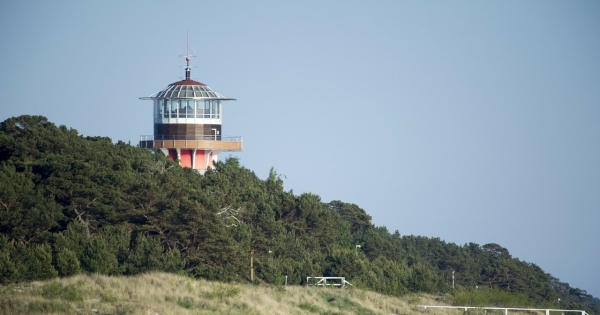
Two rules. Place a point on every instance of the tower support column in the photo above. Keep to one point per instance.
(194, 159)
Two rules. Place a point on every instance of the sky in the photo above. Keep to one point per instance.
(471, 121)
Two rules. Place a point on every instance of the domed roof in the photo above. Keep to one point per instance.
(187, 89)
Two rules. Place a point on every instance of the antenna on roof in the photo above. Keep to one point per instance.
(187, 57)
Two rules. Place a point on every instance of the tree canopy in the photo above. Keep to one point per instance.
(71, 204)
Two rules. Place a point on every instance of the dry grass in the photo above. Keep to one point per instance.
(168, 294)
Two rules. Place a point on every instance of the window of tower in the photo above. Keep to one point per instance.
(164, 110)
(171, 108)
(207, 109)
(174, 110)
(181, 108)
(189, 108)
(159, 109)
(214, 109)
(156, 112)
(198, 109)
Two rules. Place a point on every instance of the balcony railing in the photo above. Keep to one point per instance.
(207, 138)
(208, 142)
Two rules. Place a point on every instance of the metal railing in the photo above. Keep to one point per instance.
(505, 309)
(333, 281)
(198, 138)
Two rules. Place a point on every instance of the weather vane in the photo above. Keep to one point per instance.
(187, 57)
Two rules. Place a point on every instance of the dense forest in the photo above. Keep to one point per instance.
(71, 204)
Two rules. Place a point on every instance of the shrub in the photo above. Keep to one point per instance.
(98, 257)
(8, 271)
(67, 263)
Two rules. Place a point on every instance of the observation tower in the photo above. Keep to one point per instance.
(188, 119)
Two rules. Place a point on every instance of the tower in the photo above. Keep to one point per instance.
(188, 119)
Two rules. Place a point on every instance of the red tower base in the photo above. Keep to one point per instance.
(197, 159)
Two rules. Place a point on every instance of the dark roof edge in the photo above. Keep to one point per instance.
(187, 82)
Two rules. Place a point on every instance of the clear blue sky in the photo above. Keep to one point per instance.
(472, 121)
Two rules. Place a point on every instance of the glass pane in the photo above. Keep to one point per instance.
(172, 108)
(199, 109)
(206, 108)
(216, 109)
(189, 108)
(182, 104)
(158, 109)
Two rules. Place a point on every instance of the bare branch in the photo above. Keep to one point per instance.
(229, 212)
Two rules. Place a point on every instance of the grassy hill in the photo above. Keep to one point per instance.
(169, 294)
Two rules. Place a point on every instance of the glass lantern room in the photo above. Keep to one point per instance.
(187, 102)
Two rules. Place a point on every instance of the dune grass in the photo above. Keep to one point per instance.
(169, 294)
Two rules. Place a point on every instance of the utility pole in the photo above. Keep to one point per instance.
(452, 279)
(252, 264)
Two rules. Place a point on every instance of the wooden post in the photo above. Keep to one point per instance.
(252, 264)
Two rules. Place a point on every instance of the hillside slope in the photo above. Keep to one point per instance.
(71, 204)
(165, 294)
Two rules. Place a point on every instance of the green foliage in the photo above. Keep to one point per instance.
(67, 262)
(171, 261)
(358, 219)
(71, 204)
(33, 262)
(225, 273)
(118, 240)
(8, 270)
(146, 255)
(422, 279)
(75, 238)
(98, 257)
